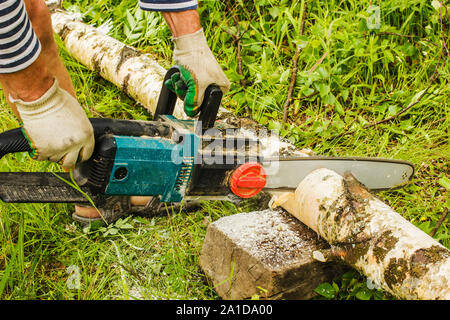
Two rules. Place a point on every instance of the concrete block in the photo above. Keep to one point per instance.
(268, 253)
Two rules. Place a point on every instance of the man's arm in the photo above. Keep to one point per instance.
(21, 72)
(182, 22)
(54, 123)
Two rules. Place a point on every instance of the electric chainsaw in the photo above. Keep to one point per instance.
(176, 160)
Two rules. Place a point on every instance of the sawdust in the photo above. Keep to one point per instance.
(273, 237)
(272, 144)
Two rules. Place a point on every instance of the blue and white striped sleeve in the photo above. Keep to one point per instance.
(167, 5)
(19, 45)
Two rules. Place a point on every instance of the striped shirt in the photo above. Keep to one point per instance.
(168, 5)
(19, 45)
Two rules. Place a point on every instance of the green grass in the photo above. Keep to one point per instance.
(367, 76)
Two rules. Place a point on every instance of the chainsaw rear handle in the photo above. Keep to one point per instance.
(14, 140)
(208, 109)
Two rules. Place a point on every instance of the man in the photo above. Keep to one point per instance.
(39, 90)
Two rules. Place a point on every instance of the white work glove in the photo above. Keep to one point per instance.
(199, 69)
(57, 127)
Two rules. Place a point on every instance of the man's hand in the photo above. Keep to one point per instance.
(199, 68)
(57, 127)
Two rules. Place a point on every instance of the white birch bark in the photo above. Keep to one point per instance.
(370, 236)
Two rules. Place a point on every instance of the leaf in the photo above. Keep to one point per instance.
(284, 76)
(409, 50)
(445, 182)
(275, 126)
(323, 73)
(233, 76)
(130, 19)
(338, 124)
(392, 110)
(388, 55)
(364, 294)
(307, 91)
(329, 99)
(344, 94)
(74, 8)
(359, 52)
(255, 48)
(111, 231)
(126, 226)
(315, 43)
(406, 125)
(381, 108)
(318, 30)
(335, 287)
(323, 88)
(274, 12)
(326, 290)
(339, 109)
(263, 120)
(362, 121)
(263, 3)
(301, 42)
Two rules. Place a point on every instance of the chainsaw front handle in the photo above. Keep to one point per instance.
(208, 109)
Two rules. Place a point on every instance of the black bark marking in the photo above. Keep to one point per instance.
(64, 32)
(97, 62)
(385, 242)
(396, 272)
(422, 258)
(125, 84)
(125, 54)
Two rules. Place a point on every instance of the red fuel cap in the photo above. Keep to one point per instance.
(248, 180)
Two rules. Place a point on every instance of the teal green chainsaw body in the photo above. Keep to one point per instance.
(154, 165)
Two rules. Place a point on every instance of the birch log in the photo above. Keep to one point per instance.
(129, 69)
(370, 236)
